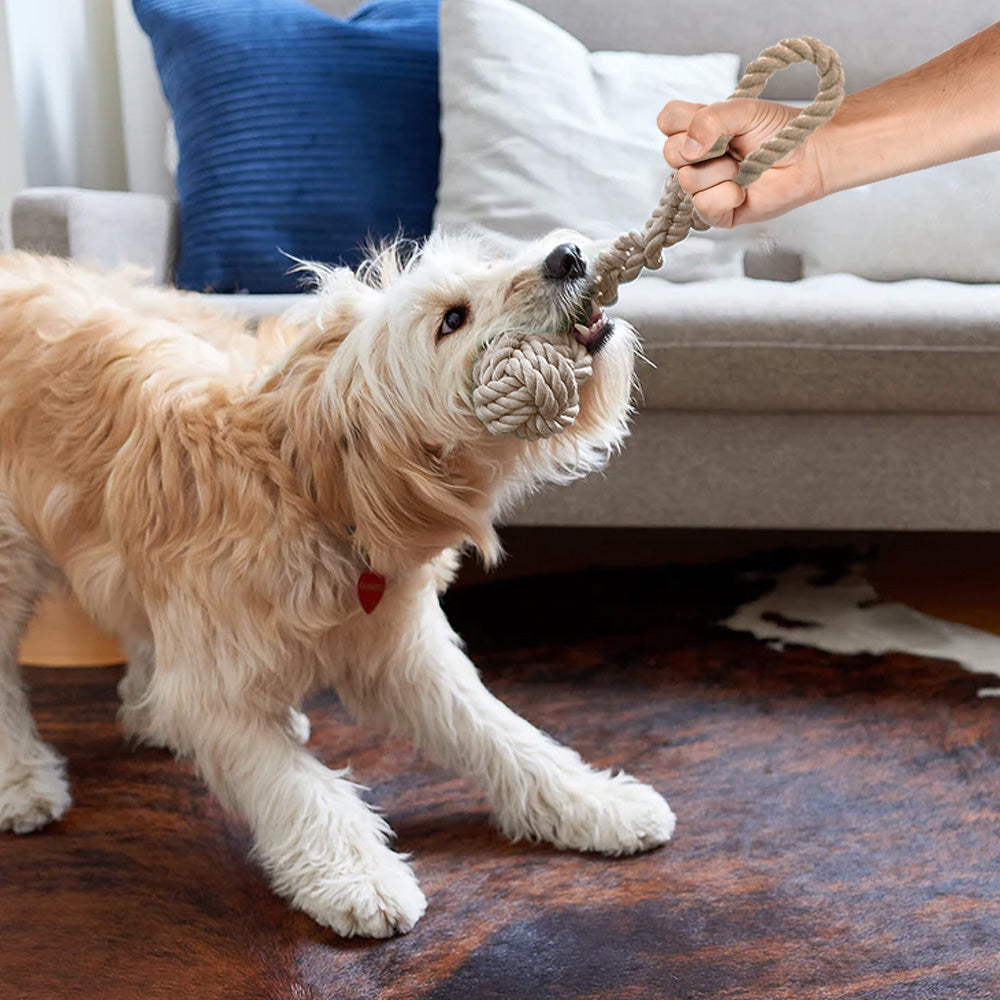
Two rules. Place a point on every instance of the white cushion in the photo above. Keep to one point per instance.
(938, 223)
(540, 133)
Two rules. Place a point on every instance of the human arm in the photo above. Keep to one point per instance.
(946, 109)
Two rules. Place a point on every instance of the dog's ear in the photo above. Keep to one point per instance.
(410, 500)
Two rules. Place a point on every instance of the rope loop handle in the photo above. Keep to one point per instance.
(675, 216)
(527, 386)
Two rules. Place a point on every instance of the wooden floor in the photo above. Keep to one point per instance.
(838, 837)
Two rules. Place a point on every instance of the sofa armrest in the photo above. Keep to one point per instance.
(103, 228)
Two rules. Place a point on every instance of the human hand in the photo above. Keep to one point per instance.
(691, 131)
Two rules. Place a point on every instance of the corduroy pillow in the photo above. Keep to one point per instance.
(300, 134)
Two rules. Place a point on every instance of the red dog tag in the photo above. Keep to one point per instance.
(371, 587)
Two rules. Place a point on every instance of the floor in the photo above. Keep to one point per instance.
(950, 575)
(838, 838)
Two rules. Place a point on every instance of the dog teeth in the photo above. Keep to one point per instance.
(585, 334)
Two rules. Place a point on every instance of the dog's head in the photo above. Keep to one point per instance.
(420, 470)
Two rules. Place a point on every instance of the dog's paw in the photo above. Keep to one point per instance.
(33, 795)
(610, 814)
(379, 902)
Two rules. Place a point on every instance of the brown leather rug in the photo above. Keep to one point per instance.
(838, 835)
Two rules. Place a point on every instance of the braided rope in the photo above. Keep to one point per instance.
(674, 216)
(528, 386)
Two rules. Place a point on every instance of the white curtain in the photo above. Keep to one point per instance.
(80, 102)
(144, 111)
(65, 70)
(12, 156)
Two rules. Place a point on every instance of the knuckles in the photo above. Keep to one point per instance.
(676, 116)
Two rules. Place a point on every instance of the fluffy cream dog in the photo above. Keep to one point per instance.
(225, 517)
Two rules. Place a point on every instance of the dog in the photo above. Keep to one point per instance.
(254, 530)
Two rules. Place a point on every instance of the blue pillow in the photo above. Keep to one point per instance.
(299, 133)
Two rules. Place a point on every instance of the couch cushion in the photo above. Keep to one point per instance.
(834, 343)
(256, 307)
(299, 133)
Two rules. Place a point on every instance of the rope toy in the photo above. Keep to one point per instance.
(526, 385)
(530, 387)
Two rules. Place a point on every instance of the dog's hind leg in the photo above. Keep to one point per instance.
(33, 789)
(415, 679)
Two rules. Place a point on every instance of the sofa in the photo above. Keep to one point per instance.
(848, 379)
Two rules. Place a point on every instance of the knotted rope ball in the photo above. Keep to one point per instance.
(529, 385)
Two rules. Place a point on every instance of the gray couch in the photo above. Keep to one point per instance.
(831, 402)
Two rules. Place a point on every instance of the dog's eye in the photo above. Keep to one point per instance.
(453, 319)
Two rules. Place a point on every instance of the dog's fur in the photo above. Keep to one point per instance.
(222, 512)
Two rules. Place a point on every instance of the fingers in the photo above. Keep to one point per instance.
(747, 120)
(712, 184)
(693, 129)
(717, 204)
(676, 116)
(698, 177)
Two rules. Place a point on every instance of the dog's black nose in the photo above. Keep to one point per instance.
(565, 263)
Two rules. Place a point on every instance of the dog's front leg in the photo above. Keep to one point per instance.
(133, 713)
(322, 846)
(414, 678)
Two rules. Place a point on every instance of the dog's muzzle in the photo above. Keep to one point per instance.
(592, 328)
